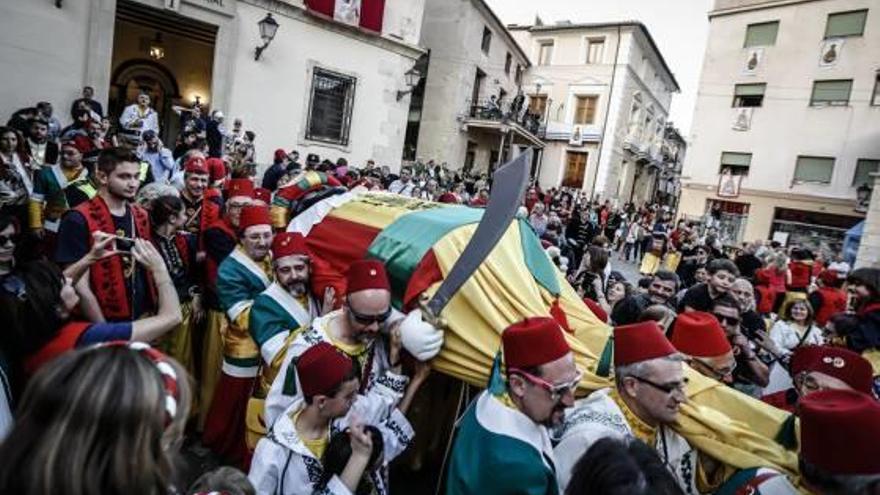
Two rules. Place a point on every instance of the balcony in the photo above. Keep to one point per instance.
(505, 112)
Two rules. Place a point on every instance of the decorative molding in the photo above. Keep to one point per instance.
(711, 189)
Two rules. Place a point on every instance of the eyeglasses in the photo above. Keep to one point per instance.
(730, 320)
(557, 391)
(236, 206)
(667, 388)
(8, 239)
(716, 373)
(365, 319)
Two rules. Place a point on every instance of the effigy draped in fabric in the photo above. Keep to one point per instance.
(420, 241)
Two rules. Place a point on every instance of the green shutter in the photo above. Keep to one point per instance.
(763, 34)
(749, 89)
(737, 159)
(846, 24)
(814, 169)
(864, 169)
(831, 92)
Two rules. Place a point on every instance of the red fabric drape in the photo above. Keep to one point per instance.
(325, 7)
(372, 13)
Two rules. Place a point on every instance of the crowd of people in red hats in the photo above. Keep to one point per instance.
(154, 304)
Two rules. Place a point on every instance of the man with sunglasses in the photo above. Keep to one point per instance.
(649, 390)
(368, 330)
(819, 367)
(502, 446)
(751, 373)
(699, 336)
(242, 276)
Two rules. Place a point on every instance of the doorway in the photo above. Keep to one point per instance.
(575, 169)
(164, 54)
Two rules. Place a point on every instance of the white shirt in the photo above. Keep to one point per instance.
(149, 119)
(398, 187)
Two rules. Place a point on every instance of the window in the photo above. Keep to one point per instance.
(814, 169)
(545, 52)
(595, 48)
(748, 95)
(864, 169)
(585, 109)
(875, 97)
(537, 104)
(330, 107)
(846, 24)
(508, 61)
(737, 163)
(831, 92)
(487, 40)
(763, 34)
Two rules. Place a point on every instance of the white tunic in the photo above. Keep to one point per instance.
(598, 416)
(283, 465)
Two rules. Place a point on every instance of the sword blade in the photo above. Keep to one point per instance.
(508, 187)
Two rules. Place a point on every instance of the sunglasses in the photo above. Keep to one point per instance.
(666, 388)
(716, 373)
(557, 391)
(730, 320)
(8, 239)
(365, 319)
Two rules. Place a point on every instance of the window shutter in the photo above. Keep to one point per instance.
(864, 169)
(372, 14)
(846, 24)
(763, 34)
(326, 7)
(814, 169)
(824, 91)
(749, 89)
(739, 159)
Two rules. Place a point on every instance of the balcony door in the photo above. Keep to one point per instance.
(575, 169)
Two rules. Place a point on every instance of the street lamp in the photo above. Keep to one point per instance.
(412, 78)
(157, 47)
(863, 197)
(268, 28)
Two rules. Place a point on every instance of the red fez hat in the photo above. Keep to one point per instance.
(596, 309)
(240, 187)
(196, 165)
(699, 334)
(447, 198)
(263, 195)
(640, 342)
(829, 278)
(840, 432)
(289, 244)
(254, 215)
(367, 274)
(533, 342)
(843, 364)
(81, 145)
(321, 368)
(280, 154)
(216, 168)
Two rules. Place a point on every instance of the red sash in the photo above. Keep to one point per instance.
(833, 302)
(107, 277)
(180, 242)
(65, 340)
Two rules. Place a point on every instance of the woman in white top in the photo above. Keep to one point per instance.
(793, 330)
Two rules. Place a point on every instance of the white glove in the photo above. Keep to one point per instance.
(420, 338)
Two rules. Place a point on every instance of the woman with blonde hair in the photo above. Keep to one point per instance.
(103, 420)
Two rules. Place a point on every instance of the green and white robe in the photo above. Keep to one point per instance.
(275, 315)
(498, 451)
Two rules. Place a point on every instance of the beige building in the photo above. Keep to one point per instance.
(471, 117)
(787, 120)
(604, 91)
(324, 85)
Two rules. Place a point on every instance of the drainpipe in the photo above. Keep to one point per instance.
(607, 112)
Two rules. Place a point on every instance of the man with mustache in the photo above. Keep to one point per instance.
(649, 390)
(116, 288)
(241, 277)
(502, 446)
(280, 313)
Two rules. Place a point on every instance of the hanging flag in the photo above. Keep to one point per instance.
(367, 14)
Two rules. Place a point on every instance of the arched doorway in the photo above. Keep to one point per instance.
(145, 76)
